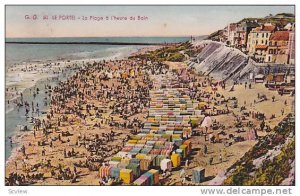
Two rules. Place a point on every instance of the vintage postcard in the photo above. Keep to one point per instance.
(150, 95)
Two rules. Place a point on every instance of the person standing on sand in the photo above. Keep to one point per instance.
(10, 141)
(205, 149)
(23, 150)
(211, 160)
(38, 111)
(73, 152)
(43, 152)
(225, 154)
(182, 174)
(187, 164)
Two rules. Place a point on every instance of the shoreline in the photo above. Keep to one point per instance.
(65, 64)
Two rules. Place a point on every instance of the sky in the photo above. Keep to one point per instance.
(161, 20)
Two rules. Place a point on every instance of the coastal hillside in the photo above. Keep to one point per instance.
(221, 62)
(270, 162)
(280, 20)
(174, 53)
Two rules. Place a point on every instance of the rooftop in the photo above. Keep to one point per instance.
(269, 28)
(280, 35)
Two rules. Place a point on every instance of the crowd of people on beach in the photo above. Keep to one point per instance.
(126, 82)
(15, 179)
(93, 113)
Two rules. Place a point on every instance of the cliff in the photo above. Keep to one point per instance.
(270, 162)
(222, 62)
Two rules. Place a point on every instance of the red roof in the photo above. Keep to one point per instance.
(268, 28)
(280, 35)
(257, 29)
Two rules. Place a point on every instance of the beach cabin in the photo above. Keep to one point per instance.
(269, 78)
(198, 175)
(259, 78)
(279, 77)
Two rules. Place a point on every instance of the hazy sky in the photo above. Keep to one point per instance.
(162, 20)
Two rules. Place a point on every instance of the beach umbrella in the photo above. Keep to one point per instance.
(206, 122)
(166, 164)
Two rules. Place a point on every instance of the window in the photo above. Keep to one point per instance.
(271, 51)
(275, 43)
(263, 35)
(269, 59)
(262, 41)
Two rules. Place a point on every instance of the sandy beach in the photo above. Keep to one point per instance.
(104, 104)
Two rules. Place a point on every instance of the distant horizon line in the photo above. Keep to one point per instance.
(110, 36)
(88, 43)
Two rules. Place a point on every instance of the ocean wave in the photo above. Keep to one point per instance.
(8, 110)
(25, 80)
(104, 53)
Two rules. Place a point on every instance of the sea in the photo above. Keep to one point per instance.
(17, 55)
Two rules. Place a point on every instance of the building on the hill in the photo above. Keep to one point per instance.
(260, 53)
(243, 29)
(278, 48)
(223, 35)
(231, 34)
(258, 40)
